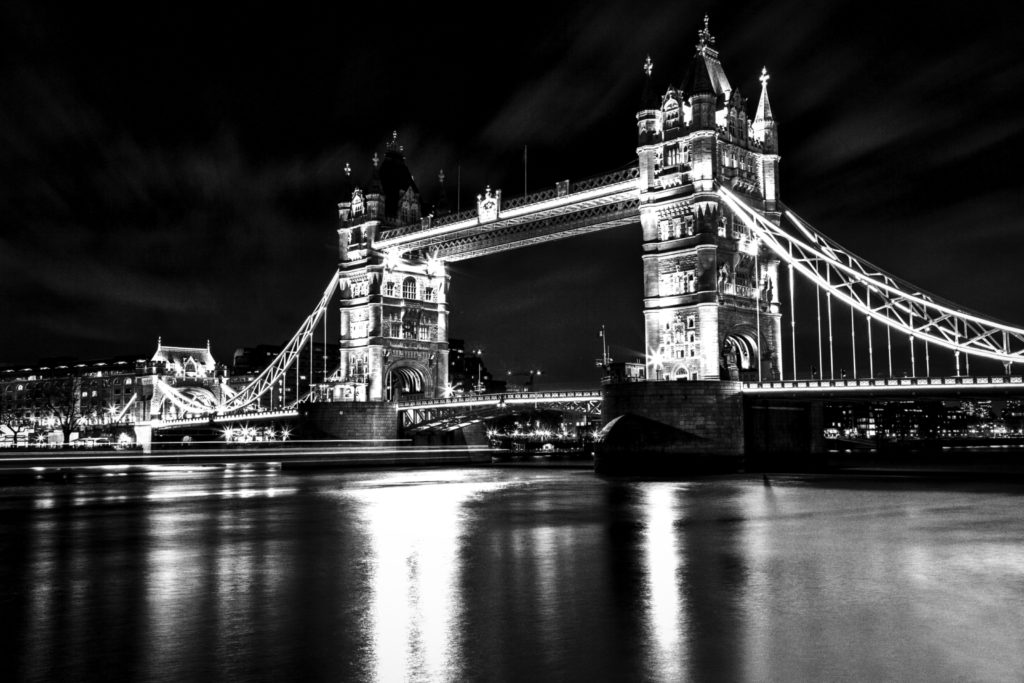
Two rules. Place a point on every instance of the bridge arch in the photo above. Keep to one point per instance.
(407, 378)
(740, 351)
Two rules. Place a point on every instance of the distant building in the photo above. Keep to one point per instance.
(104, 395)
(467, 372)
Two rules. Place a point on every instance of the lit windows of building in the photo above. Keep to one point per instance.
(409, 288)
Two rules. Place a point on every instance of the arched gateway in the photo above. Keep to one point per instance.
(711, 295)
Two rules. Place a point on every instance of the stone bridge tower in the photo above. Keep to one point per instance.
(394, 313)
(711, 294)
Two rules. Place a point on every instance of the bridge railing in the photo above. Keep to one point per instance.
(561, 189)
(888, 383)
(507, 397)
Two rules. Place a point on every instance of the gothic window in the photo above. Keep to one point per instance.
(389, 288)
(688, 226)
(670, 228)
(672, 156)
(690, 322)
(358, 372)
(429, 294)
(686, 153)
(409, 288)
(358, 330)
(360, 288)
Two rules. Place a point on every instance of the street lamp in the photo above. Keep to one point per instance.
(479, 371)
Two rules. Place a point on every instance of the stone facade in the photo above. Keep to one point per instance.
(711, 291)
(358, 420)
(394, 309)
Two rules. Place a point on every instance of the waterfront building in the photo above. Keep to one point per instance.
(63, 401)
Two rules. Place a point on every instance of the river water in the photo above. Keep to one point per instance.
(488, 574)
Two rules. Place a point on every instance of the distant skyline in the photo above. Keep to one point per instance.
(173, 172)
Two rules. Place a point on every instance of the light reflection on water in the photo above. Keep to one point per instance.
(484, 574)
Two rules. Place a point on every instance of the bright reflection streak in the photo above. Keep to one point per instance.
(664, 600)
(414, 535)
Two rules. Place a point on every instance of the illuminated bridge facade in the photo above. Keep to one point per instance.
(726, 267)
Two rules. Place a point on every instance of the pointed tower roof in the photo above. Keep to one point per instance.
(704, 74)
(395, 176)
(764, 107)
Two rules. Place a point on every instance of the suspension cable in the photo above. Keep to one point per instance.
(821, 364)
(792, 316)
(871, 348)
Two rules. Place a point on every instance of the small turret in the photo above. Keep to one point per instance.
(764, 130)
(345, 205)
(648, 121)
(375, 192)
(764, 123)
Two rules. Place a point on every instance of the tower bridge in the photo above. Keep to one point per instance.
(725, 262)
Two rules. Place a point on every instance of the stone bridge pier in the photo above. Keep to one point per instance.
(704, 427)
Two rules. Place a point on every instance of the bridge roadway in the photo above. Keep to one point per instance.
(589, 401)
(905, 388)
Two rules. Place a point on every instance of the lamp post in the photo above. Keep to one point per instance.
(479, 371)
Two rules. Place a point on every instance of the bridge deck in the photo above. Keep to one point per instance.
(508, 398)
(587, 206)
(904, 386)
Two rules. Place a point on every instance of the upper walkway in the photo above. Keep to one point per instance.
(566, 210)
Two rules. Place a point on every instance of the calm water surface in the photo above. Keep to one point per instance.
(508, 575)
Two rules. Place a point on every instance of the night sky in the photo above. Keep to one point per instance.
(173, 171)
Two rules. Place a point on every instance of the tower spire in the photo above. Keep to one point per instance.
(648, 100)
(764, 107)
(705, 40)
(393, 144)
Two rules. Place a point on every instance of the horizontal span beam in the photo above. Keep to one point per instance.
(516, 398)
(901, 386)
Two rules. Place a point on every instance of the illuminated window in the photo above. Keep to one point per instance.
(409, 288)
(360, 288)
(672, 155)
(358, 373)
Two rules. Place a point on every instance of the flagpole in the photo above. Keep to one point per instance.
(604, 347)
(524, 171)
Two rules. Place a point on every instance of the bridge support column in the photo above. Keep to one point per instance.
(784, 434)
(671, 427)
